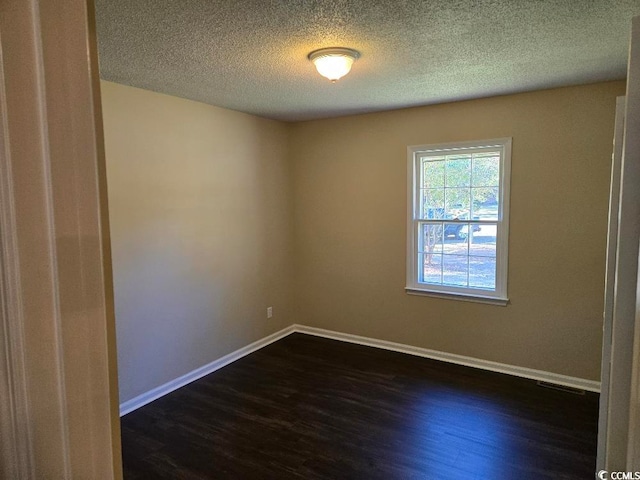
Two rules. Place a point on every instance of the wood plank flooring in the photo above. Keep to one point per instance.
(312, 408)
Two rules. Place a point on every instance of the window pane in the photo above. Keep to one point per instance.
(431, 268)
(486, 170)
(431, 238)
(432, 203)
(433, 173)
(483, 240)
(456, 238)
(454, 270)
(457, 202)
(482, 272)
(458, 171)
(484, 203)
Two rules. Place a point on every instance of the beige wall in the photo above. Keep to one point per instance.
(350, 234)
(201, 229)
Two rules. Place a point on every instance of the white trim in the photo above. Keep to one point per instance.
(463, 297)
(530, 373)
(413, 286)
(148, 397)
(162, 390)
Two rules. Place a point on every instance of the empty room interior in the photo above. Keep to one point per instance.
(396, 274)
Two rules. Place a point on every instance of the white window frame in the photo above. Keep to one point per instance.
(497, 296)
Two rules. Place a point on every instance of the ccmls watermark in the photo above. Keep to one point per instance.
(604, 475)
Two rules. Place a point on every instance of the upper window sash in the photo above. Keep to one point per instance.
(433, 154)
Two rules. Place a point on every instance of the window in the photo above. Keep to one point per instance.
(458, 219)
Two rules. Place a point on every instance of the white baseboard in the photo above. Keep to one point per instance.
(162, 390)
(573, 382)
(151, 395)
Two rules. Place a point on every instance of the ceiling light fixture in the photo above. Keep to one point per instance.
(334, 63)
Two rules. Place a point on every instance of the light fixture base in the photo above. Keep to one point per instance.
(335, 62)
(325, 52)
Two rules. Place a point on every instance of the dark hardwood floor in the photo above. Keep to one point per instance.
(313, 408)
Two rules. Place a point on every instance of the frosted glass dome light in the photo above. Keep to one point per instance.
(334, 63)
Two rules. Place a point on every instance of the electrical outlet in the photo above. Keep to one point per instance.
(269, 312)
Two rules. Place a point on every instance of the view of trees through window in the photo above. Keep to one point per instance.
(459, 206)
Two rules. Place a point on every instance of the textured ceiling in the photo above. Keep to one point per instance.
(251, 55)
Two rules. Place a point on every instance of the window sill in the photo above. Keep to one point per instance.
(464, 297)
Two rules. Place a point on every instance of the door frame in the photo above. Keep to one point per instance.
(618, 429)
(58, 377)
(631, 155)
(607, 332)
